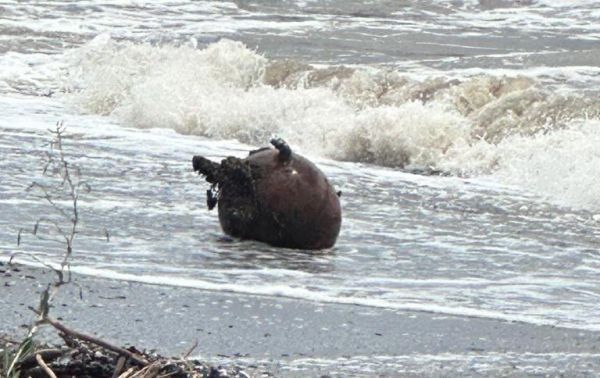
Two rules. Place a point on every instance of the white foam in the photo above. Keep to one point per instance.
(485, 125)
(563, 165)
(429, 365)
(302, 293)
(217, 92)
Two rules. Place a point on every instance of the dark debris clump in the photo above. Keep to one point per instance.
(86, 360)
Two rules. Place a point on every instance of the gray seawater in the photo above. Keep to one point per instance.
(500, 96)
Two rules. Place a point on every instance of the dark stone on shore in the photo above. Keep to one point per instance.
(274, 196)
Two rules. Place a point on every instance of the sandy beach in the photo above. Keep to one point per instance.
(463, 134)
(295, 337)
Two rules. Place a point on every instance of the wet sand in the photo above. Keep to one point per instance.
(298, 338)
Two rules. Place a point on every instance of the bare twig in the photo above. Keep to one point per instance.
(47, 370)
(187, 354)
(61, 228)
(70, 186)
(94, 340)
(58, 272)
(56, 166)
(6, 340)
(150, 371)
(127, 373)
(119, 367)
(176, 372)
(48, 197)
(52, 222)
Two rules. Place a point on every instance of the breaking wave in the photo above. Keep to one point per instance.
(511, 127)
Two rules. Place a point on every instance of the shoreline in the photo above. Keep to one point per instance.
(288, 336)
(210, 287)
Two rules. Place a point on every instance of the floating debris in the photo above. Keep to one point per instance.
(274, 196)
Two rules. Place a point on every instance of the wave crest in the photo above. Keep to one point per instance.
(469, 126)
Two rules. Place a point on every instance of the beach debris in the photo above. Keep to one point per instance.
(82, 355)
(275, 196)
(86, 356)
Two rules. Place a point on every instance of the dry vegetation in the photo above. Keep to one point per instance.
(80, 355)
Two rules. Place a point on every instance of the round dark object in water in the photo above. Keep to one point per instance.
(275, 196)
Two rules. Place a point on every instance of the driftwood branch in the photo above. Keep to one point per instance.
(127, 373)
(149, 371)
(119, 367)
(47, 370)
(94, 340)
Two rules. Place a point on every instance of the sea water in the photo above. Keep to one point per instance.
(464, 135)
